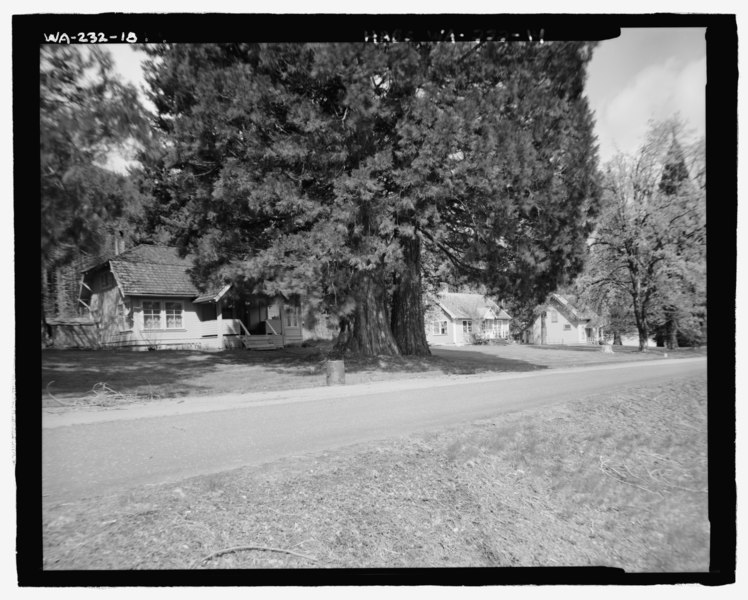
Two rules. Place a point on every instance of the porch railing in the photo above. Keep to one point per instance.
(231, 327)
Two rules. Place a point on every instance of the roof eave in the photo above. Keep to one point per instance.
(204, 299)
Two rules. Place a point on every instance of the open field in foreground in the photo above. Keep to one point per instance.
(616, 480)
(120, 377)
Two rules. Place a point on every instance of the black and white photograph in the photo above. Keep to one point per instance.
(407, 294)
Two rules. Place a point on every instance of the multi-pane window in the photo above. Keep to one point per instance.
(292, 316)
(467, 327)
(439, 327)
(567, 327)
(151, 315)
(554, 316)
(173, 315)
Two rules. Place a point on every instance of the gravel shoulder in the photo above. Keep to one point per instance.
(606, 479)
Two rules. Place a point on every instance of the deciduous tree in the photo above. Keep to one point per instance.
(650, 242)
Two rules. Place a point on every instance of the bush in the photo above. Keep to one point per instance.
(479, 339)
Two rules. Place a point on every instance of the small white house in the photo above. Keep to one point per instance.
(558, 322)
(458, 319)
(145, 298)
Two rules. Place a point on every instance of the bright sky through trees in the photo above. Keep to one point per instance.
(646, 73)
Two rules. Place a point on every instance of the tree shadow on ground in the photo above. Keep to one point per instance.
(449, 362)
(174, 373)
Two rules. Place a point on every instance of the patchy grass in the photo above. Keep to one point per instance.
(75, 376)
(617, 480)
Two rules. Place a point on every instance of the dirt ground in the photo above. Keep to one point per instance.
(609, 480)
(109, 377)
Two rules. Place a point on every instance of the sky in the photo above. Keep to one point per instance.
(644, 74)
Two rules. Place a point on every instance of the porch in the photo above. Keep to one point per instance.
(232, 333)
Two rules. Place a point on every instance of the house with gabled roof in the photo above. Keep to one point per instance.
(461, 318)
(558, 321)
(144, 298)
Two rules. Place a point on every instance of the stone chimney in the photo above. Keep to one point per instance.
(443, 288)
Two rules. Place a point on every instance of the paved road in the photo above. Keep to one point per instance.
(134, 447)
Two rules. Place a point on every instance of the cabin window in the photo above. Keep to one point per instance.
(554, 316)
(151, 315)
(467, 327)
(173, 315)
(439, 327)
(567, 327)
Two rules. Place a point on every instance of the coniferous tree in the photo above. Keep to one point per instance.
(334, 171)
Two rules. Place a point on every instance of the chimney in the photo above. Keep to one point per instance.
(119, 242)
(444, 288)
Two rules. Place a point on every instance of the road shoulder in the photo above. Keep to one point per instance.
(53, 417)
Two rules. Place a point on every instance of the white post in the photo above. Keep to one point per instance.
(219, 323)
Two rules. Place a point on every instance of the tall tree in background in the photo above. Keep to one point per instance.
(650, 244)
(334, 171)
(85, 113)
(684, 291)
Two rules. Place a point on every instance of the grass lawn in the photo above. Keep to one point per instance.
(107, 377)
(617, 480)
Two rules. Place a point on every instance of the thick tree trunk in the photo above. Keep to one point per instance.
(617, 339)
(367, 331)
(643, 337)
(407, 306)
(640, 316)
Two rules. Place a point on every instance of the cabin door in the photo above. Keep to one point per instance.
(291, 322)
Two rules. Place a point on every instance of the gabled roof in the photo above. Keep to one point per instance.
(151, 271)
(469, 306)
(569, 309)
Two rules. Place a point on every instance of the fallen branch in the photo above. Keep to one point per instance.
(249, 548)
(51, 395)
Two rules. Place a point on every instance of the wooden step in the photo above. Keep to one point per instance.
(262, 342)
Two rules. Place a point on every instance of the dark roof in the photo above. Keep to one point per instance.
(152, 254)
(152, 271)
(469, 306)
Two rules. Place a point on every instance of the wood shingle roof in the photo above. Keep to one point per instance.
(152, 271)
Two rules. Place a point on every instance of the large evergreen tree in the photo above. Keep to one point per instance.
(333, 171)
